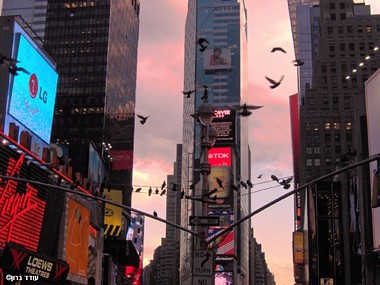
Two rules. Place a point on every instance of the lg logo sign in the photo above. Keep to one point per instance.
(33, 89)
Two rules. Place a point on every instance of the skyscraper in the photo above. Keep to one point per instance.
(95, 46)
(336, 215)
(222, 26)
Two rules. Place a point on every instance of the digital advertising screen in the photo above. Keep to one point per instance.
(32, 94)
(216, 59)
(224, 278)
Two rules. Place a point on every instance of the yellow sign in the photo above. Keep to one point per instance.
(112, 214)
(298, 247)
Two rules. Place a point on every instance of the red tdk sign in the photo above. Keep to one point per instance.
(220, 156)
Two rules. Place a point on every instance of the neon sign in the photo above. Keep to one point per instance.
(20, 209)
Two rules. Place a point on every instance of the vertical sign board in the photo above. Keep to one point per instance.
(372, 93)
(203, 267)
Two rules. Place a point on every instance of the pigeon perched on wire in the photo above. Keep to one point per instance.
(278, 49)
(155, 214)
(157, 191)
(274, 83)
(249, 183)
(242, 183)
(150, 191)
(163, 192)
(142, 119)
(163, 185)
(138, 189)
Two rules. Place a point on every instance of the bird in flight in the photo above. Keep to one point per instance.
(278, 49)
(245, 109)
(260, 176)
(298, 62)
(142, 119)
(201, 42)
(13, 69)
(274, 83)
(188, 93)
(7, 60)
(220, 182)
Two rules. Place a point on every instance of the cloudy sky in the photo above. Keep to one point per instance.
(159, 85)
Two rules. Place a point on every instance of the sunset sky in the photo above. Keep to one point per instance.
(159, 85)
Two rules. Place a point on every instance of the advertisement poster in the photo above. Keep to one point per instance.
(112, 214)
(220, 179)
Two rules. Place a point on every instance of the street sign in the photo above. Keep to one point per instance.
(204, 221)
(203, 263)
(198, 280)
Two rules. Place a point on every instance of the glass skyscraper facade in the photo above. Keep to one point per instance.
(224, 25)
(95, 46)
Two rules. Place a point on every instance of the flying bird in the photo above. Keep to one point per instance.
(13, 69)
(286, 181)
(142, 119)
(155, 214)
(298, 62)
(245, 109)
(188, 93)
(287, 186)
(249, 183)
(274, 83)
(150, 191)
(278, 49)
(138, 189)
(220, 182)
(203, 48)
(202, 40)
(260, 176)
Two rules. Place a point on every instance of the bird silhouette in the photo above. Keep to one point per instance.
(286, 181)
(245, 109)
(242, 183)
(260, 176)
(163, 192)
(163, 185)
(138, 189)
(150, 191)
(7, 60)
(203, 48)
(174, 188)
(220, 182)
(205, 93)
(202, 40)
(191, 186)
(188, 93)
(249, 183)
(142, 119)
(157, 191)
(287, 186)
(13, 69)
(274, 83)
(298, 62)
(233, 186)
(274, 177)
(182, 194)
(155, 214)
(278, 49)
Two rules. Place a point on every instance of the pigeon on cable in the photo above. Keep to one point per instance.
(242, 183)
(249, 183)
(157, 191)
(150, 191)
(142, 119)
(163, 192)
(163, 185)
(278, 49)
(245, 109)
(233, 186)
(155, 214)
(138, 190)
(274, 83)
(274, 177)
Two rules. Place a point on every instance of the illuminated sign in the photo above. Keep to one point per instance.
(223, 278)
(225, 244)
(33, 93)
(112, 214)
(220, 156)
(224, 126)
(298, 247)
(21, 209)
(18, 261)
(220, 178)
(216, 59)
(122, 159)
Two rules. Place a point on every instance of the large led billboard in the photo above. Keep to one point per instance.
(216, 59)
(33, 91)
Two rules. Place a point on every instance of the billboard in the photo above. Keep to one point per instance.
(372, 92)
(22, 205)
(216, 59)
(112, 214)
(220, 178)
(96, 170)
(225, 244)
(33, 91)
(76, 243)
(224, 124)
(224, 278)
(220, 156)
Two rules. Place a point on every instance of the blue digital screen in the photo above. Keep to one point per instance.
(33, 92)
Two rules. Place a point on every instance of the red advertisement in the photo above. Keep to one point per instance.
(21, 209)
(122, 159)
(220, 156)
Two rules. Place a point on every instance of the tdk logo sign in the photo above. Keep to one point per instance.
(218, 155)
(33, 89)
